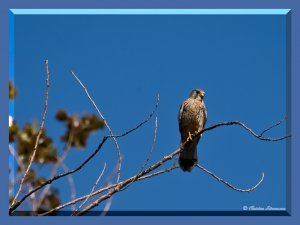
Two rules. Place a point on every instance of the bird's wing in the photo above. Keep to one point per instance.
(203, 115)
(181, 111)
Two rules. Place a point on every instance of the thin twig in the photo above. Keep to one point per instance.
(230, 185)
(116, 187)
(149, 154)
(60, 161)
(95, 185)
(143, 122)
(107, 188)
(22, 167)
(146, 171)
(123, 184)
(78, 200)
(71, 185)
(17, 158)
(107, 207)
(13, 207)
(243, 126)
(158, 172)
(271, 127)
(39, 133)
(49, 181)
(152, 146)
(106, 124)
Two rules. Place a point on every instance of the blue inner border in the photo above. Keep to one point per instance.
(54, 12)
(151, 11)
(295, 216)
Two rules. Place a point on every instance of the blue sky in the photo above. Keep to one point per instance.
(125, 61)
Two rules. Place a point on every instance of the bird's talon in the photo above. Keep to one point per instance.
(190, 137)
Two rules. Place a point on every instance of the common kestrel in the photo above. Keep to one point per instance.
(192, 118)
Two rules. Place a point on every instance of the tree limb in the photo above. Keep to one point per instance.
(39, 133)
(16, 205)
(125, 183)
(49, 181)
(228, 184)
(87, 198)
(259, 136)
(271, 127)
(147, 173)
(144, 174)
(149, 154)
(60, 161)
(106, 124)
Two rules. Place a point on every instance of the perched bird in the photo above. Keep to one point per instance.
(192, 118)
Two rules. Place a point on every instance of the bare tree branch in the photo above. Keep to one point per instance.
(110, 189)
(123, 184)
(228, 184)
(95, 185)
(158, 172)
(60, 161)
(119, 186)
(106, 124)
(145, 173)
(271, 127)
(71, 185)
(39, 133)
(22, 168)
(107, 188)
(149, 154)
(152, 146)
(13, 207)
(142, 123)
(107, 207)
(49, 181)
(17, 158)
(259, 136)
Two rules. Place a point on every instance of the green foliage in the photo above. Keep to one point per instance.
(12, 91)
(78, 128)
(26, 139)
(61, 115)
(50, 201)
(13, 131)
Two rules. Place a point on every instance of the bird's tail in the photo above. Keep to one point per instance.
(188, 156)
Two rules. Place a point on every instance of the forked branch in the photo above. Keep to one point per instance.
(230, 185)
(104, 139)
(145, 173)
(106, 124)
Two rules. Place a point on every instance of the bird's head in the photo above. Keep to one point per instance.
(197, 94)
